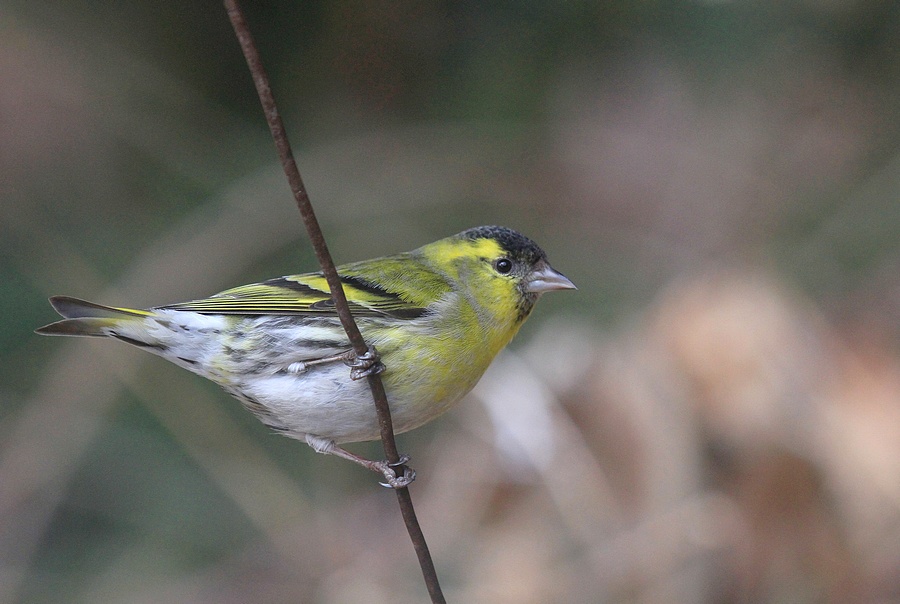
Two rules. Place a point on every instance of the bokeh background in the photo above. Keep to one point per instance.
(714, 416)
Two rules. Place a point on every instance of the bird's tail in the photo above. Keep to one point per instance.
(83, 318)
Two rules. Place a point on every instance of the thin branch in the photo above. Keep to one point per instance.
(260, 79)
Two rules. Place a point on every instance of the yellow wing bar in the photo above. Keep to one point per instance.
(303, 295)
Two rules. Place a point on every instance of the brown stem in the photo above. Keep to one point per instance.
(261, 80)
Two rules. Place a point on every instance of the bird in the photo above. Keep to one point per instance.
(434, 318)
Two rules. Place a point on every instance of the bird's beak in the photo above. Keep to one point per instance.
(545, 278)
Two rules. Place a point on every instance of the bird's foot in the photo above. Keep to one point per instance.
(364, 365)
(394, 481)
(384, 467)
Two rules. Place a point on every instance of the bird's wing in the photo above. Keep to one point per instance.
(304, 295)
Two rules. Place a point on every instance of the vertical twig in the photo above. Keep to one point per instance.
(260, 79)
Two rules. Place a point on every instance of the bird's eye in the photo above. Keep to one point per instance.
(503, 265)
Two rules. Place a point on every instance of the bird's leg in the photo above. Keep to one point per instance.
(326, 446)
(363, 365)
(301, 366)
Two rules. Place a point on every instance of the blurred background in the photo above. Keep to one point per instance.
(714, 416)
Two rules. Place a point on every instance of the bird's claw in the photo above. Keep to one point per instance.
(364, 365)
(394, 481)
(403, 459)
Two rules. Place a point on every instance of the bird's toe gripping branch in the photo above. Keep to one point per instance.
(393, 480)
(364, 365)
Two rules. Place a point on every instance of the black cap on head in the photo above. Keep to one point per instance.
(518, 245)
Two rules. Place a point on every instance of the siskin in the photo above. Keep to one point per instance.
(437, 315)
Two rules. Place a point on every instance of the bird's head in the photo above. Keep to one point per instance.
(501, 270)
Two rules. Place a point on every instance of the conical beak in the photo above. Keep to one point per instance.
(544, 279)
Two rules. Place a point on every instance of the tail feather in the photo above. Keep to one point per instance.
(75, 308)
(83, 318)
